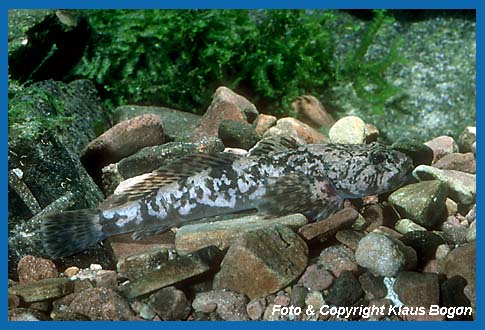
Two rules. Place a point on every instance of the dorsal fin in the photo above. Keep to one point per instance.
(273, 144)
(170, 173)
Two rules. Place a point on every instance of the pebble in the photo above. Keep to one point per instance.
(405, 226)
(455, 232)
(458, 162)
(316, 277)
(442, 251)
(278, 254)
(102, 304)
(255, 308)
(31, 269)
(425, 244)
(441, 146)
(451, 207)
(170, 304)
(467, 139)
(223, 233)
(110, 178)
(235, 134)
(471, 235)
(315, 299)
(297, 129)
(270, 314)
(417, 289)
(297, 295)
(43, 289)
(373, 286)
(384, 255)
(472, 214)
(26, 314)
(420, 153)
(263, 123)
(371, 133)
(13, 301)
(225, 105)
(348, 130)
(325, 230)
(71, 271)
(349, 238)
(311, 111)
(231, 306)
(422, 202)
(461, 186)
(345, 291)
(338, 258)
(122, 140)
(143, 310)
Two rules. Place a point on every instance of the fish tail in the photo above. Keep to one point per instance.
(70, 232)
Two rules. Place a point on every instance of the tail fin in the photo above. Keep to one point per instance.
(70, 232)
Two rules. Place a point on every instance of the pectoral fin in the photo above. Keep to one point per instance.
(315, 197)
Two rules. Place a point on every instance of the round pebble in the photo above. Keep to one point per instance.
(349, 130)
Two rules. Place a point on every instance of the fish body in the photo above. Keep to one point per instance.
(310, 179)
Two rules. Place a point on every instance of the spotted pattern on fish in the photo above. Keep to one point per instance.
(311, 179)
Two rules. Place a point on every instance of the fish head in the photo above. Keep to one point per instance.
(363, 170)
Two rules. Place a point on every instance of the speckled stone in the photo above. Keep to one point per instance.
(338, 258)
(170, 304)
(422, 202)
(31, 269)
(384, 255)
(467, 139)
(229, 305)
(458, 162)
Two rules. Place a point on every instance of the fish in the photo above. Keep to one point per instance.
(276, 177)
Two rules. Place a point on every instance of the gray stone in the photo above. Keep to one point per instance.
(349, 238)
(177, 125)
(278, 255)
(230, 306)
(461, 186)
(43, 289)
(422, 202)
(349, 130)
(384, 255)
(139, 264)
(171, 271)
(223, 233)
(345, 291)
(152, 158)
(420, 153)
(170, 304)
(405, 226)
(236, 134)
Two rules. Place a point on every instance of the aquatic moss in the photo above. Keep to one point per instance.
(177, 58)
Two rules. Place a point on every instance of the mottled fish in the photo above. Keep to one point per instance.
(276, 178)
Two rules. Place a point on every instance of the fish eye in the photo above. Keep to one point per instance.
(377, 157)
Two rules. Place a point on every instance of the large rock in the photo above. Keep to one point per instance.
(262, 262)
(223, 233)
(461, 186)
(43, 289)
(46, 173)
(422, 202)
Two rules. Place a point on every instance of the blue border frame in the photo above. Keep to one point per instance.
(238, 4)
